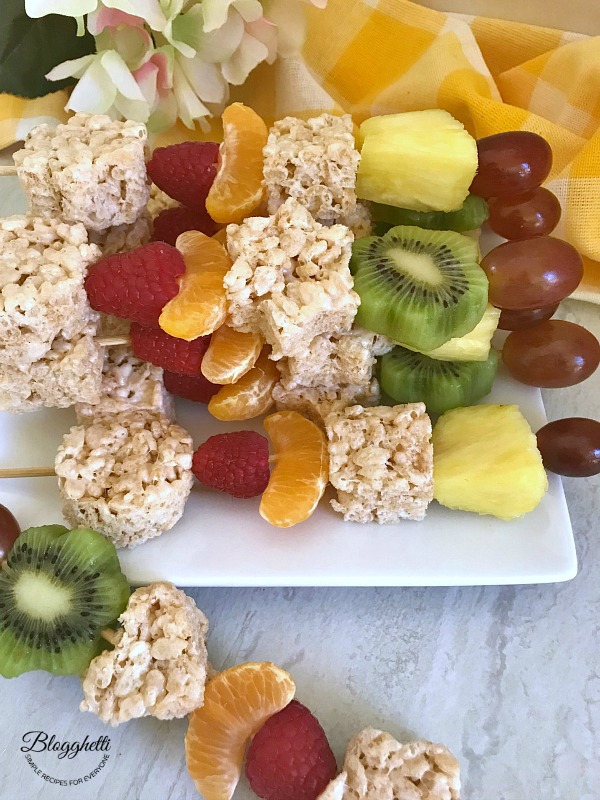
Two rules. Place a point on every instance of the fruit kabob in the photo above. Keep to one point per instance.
(144, 654)
(192, 289)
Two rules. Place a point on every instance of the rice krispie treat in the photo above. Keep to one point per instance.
(159, 201)
(109, 326)
(128, 383)
(158, 666)
(123, 238)
(331, 362)
(317, 403)
(315, 162)
(381, 462)
(90, 170)
(43, 264)
(376, 766)
(126, 475)
(69, 372)
(290, 279)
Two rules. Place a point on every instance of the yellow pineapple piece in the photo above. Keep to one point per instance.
(473, 346)
(424, 160)
(485, 460)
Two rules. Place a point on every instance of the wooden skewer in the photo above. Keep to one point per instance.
(27, 472)
(112, 341)
(8, 169)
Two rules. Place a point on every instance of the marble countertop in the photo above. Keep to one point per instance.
(507, 677)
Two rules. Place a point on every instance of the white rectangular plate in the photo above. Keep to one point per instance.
(221, 541)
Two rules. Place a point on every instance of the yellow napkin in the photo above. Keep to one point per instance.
(371, 57)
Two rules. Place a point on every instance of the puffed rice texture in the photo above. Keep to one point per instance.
(69, 372)
(381, 462)
(159, 663)
(126, 475)
(91, 170)
(43, 265)
(378, 767)
(290, 279)
(314, 162)
(128, 383)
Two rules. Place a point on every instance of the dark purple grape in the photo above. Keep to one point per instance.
(571, 446)
(511, 163)
(9, 531)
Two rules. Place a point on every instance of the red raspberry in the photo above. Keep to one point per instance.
(198, 388)
(185, 171)
(235, 463)
(290, 757)
(173, 221)
(136, 285)
(168, 352)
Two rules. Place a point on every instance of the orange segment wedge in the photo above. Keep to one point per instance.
(237, 703)
(251, 396)
(200, 306)
(301, 469)
(230, 355)
(221, 236)
(238, 186)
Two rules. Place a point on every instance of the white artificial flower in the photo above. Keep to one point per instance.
(105, 85)
(66, 8)
(215, 12)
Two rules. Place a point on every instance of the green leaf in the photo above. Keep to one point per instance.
(29, 48)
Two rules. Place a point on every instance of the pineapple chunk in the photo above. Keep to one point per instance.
(473, 346)
(423, 160)
(485, 460)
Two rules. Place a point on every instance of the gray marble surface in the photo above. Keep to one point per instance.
(506, 677)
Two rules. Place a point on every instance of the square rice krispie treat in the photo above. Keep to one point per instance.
(126, 475)
(69, 372)
(381, 462)
(317, 403)
(334, 361)
(90, 170)
(128, 383)
(315, 162)
(290, 279)
(43, 264)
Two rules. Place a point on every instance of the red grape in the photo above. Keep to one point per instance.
(516, 320)
(532, 273)
(571, 446)
(552, 354)
(511, 163)
(533, 214)
(9, 530)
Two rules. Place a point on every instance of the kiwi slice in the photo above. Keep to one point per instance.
(471, 215)
(413, 377)
(58, 590)
(418, 287)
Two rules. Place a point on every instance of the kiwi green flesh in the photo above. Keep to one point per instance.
(410, 377)
(58, 590)
(418, 287)
(472, 214)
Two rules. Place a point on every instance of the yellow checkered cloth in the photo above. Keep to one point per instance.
(371, 57)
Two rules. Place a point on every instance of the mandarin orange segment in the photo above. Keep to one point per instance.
(221, 236)
(301, 469)
(251, 396)
(237, 190)
(200, 306)
(237, 703)
(230, 355)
